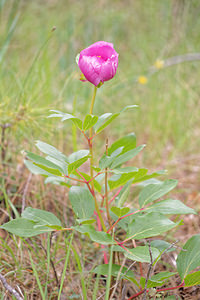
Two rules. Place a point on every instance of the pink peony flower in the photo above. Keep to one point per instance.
(98, 62)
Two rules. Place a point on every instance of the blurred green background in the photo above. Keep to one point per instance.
(38, 72)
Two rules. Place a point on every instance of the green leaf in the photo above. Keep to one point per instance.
(124, 223)
(119, 160)
(125, 273)
(35, 169)
(105, 161)
(190, 259)
(76, 159)
(192, 279)
(170, 206)
(102, 123)
(149, 225)
(51, 151)
(87, 177)
(123, 195)
(125, 170)
(82, 202)
(105, 119)
(63, 165)
(24, 228)
(85, 221)
(151, 283)
(65, 116)
(120, 211)
(139, 175)
(156, 280)
(140, 253)
(96, 236)
(42, 217)
(128, 142)
(89, 122)
(57, 181)
(43, 162)
(145, 177)
(152, 192)
(118, 180)
(161, 245)
(162, 275)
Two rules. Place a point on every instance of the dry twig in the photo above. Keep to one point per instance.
(9, 288)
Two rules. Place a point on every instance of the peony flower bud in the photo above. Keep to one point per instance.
(98, 62)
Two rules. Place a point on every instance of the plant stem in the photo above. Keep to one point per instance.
(158, 290)
(92, 103)
(106, 189)
(90, 135)
(125, 216)
(74, 129)
(92, 162)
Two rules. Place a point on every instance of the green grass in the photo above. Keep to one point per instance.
(38, 72)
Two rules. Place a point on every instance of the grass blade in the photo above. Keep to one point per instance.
(65, 266)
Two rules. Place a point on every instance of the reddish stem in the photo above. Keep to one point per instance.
(102, 246)
(113, 198)
(89, 140)
(138, 294)
(75, 179)
(84, 180)
(94, 177)
(83, 132)
(125, 216)
(158, 290)
(87, 183)
(172, 288)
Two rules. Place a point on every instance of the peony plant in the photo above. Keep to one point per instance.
(124, 224)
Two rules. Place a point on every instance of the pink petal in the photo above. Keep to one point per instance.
(98, 62)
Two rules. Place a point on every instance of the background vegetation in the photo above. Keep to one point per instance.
(38, 72)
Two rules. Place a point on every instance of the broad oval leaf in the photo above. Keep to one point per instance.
(153, 192)
(66, 116)
(162, 245)
(149, 225)
(77, 159)
(170, 206)
(118, 211)
(96, 236)
(140, 253)
(145, 177)
(35, 169)
(24, 228)
(118, 180)
(90, 121)
(192, 279)
(128, 142)
(51, 151)
(40, 216)
(119, 160)
(189, 258)
(105, 161)
(105, 119)
(123, 195)
(82, 202)
(43, 162)
(157, 280)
